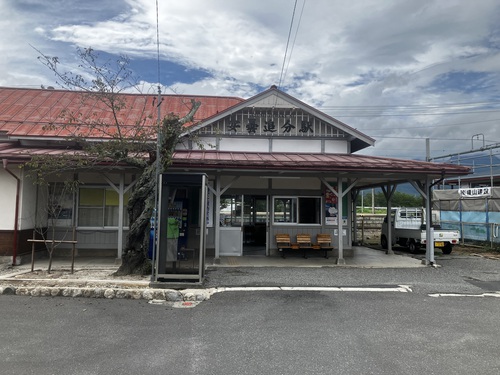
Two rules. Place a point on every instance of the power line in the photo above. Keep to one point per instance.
(434, 126)
(409, 114)
(287, 43)
(404, 106)
(294, 39)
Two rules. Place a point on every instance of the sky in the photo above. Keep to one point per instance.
(398, 71)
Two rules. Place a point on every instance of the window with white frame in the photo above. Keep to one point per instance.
(297, 210)
(99, 207)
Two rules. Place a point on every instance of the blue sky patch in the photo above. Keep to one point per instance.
(465, 82)
(170, 72)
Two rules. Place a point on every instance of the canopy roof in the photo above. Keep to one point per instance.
(370, 170)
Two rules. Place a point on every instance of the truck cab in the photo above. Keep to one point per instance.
(408, 229)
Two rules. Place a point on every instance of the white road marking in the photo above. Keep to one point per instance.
(399, 288)
(495, 294)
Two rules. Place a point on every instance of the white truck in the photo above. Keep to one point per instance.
(408, 230)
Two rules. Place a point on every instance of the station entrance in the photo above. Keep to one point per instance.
(244, 222)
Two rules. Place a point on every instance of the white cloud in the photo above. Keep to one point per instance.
(362, 53)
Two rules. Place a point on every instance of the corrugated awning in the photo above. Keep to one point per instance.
(310, 162)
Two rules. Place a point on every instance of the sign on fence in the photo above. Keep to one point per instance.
(475, 192)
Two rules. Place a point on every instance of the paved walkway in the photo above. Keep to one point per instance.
(363, 257)
(92, 276)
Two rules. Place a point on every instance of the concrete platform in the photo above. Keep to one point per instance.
(362, 257)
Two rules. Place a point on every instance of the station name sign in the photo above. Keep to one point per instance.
(480, 192)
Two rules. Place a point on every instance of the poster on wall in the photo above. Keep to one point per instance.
(331, 208)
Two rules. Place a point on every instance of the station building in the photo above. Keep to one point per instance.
(274, 165)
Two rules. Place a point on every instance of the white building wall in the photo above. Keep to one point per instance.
(278, 145)
(247, 144)
(8, 185)
(336, 147)
(28, 204)
(297, 145)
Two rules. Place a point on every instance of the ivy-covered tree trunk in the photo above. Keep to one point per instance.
(142, 198)
(140, 208)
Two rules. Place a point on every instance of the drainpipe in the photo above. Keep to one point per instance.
(18, 181)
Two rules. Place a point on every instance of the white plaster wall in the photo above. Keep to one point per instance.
(8, 186)
(28, 204)
(297, 145)
(244, 144)
(336, 147)
(27, 201)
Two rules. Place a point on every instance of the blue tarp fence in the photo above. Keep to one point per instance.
(478, 219)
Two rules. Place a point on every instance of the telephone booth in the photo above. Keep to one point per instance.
(181, 231)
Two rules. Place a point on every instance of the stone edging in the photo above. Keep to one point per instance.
(110, 293)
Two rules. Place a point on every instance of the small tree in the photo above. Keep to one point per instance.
(56, 214)
(101, 87)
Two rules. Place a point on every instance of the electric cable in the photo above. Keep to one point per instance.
(287, 43)
(293, 43)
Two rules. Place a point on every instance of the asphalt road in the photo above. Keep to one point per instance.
(279, 332)
(457, 274)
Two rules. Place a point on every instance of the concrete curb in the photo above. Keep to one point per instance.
(170, 295)
(109, 293)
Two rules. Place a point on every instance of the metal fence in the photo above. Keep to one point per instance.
(477, 218)
(475, 232)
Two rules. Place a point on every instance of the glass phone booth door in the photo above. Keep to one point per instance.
(180, 253)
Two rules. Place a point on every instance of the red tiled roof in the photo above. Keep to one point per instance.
(25, 112)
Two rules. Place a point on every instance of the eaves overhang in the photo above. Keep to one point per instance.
(354, 165)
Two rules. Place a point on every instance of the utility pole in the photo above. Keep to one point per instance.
(373, 201)
(427, 149)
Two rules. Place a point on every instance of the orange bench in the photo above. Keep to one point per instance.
(324, 243)
(303, 242)
(283, 242)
